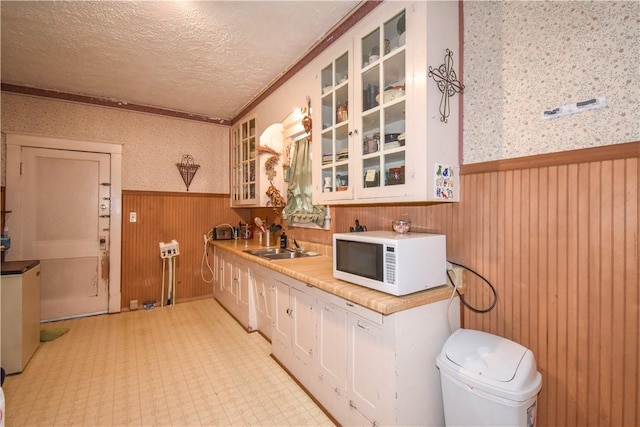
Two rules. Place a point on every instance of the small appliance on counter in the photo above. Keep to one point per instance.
(390, 262)
(224, 232)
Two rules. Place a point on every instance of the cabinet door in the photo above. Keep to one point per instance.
(332, 165)
(304, 327)
(241, 296)
(332, 346)
(379, 147)
(218, 268)
(242, 280)
(243, 164)
(281, 331)
(230, 278)
(225, 279)
(264, 309)
(364, 357)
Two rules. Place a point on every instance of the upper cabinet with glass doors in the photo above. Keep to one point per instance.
(334, 140)
(243, 164)
(382, 137)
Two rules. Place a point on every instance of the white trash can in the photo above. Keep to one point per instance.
(487, 380)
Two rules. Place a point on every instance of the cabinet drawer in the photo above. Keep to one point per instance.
(351, 307)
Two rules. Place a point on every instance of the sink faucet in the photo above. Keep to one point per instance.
(297, 246)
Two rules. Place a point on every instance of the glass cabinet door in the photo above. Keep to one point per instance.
(335, 126)
(243, 174)
(382, 119)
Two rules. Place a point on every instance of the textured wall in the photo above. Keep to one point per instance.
(521, 58)
(152, 144)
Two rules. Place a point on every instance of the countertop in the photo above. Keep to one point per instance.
(317, 271)
(17, 267)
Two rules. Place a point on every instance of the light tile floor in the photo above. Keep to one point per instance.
(186, 365)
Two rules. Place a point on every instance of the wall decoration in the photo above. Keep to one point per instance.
(445, 77)
(187, 169)
(444, 181)
(276, 201)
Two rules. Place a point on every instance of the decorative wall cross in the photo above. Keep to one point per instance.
(447, 82)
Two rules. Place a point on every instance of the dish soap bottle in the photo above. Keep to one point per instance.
(283, 240)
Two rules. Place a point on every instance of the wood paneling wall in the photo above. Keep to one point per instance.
(161, 217)
(557, 235)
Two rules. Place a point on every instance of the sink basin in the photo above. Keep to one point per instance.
(277, 253)
(266, 251)
(286, 255)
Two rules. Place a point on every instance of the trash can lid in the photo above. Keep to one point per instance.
(486, 355)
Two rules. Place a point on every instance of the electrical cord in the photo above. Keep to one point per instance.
(464, 301)
(454, 283)
(205, 259)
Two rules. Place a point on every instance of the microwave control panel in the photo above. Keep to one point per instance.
(390, 264)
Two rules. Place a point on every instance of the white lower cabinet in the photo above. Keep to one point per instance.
(293, 331)
(231, 287)
(362, 367)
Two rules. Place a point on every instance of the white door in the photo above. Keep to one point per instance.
(65, 224)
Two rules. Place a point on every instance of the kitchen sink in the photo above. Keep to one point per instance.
(277, 253)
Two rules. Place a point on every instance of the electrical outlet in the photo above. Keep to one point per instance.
(133, 217)
(457, 274)
(133, 304)
(169, 250)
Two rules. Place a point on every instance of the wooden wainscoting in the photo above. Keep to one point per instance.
(561, 244)
(558, 237)
(161, 217)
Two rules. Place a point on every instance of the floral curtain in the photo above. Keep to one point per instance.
(300, 208)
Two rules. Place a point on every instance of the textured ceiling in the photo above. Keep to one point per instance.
(209, 58)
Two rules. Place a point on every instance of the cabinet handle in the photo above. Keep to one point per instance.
(361, 326)
(352, 405)
(349, 304)
(329, 309)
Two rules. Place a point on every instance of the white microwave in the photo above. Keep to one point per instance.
(398, 264)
